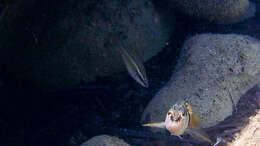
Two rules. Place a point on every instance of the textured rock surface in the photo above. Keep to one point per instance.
(49, 45)
(220, 11)
(105, 140)
(250, 135)
(212, 69)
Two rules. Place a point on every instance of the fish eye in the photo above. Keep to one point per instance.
(169, 113)
(171, 117)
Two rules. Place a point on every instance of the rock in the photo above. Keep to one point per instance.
(105, 140)
(7, 2)
(213, 71)
(50, 46)
(219, 11)
(249, 135)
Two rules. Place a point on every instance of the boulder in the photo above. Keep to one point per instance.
(219, 11)
(48, 45)
(212, 73)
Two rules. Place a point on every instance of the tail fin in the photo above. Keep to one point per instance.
(157, 125)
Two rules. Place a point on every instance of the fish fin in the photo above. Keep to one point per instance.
(194, 119)
(135, 67)
(177, 136)
(198, 134)
(157, 125)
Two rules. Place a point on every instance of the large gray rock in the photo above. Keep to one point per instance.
(104, 140)
(50, 45)
(213, 71)
(219, 11)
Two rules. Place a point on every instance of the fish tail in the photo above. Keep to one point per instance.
(157, 125)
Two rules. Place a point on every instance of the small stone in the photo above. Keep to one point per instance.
(105, 140)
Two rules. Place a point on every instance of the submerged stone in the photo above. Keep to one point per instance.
(212, 73)
(218, 11)
(104, 140)
(49, 45)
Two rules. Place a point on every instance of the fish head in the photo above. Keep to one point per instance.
(177, 119)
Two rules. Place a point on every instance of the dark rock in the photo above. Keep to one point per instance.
(51, 45)
(219, 11)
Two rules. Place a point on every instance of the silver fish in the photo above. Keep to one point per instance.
(135, 67)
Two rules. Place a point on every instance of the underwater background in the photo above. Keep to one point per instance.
(94, 71)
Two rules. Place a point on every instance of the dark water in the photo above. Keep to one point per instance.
(116, 101)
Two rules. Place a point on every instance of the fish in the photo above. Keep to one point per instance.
(181, 119)
(177, 119)
(135, 67)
